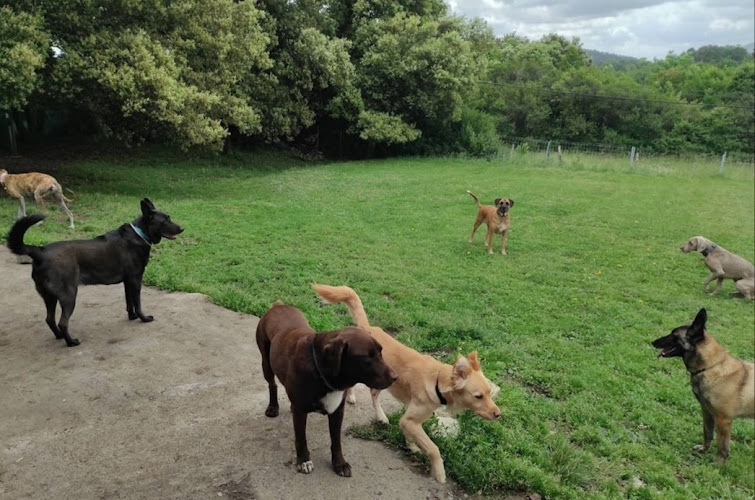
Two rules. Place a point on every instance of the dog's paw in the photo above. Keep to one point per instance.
(73, 342)
(439, 474)
(146, 319)
(382, 419)
(342, 469)
(132, 315)
(272, 411)
(700, 448)
(351, 398)
(305, 467)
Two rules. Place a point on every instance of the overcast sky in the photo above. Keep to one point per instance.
(638, 28)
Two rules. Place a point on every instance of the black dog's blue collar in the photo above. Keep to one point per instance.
(443, 400)
(319, 372)
(709, 250)
(140, 233)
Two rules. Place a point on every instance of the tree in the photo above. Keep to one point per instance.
(156, 70)
(24, 47)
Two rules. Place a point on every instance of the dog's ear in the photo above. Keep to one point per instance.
(148, 209)
(473, 361)
(462, 368)
(696, 332)
(497, 201)
(511, 202)
(333, 354)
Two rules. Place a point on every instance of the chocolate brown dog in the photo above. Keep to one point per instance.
(497, 218)
(316, 369)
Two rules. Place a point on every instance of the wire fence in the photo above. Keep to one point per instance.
(616, 156)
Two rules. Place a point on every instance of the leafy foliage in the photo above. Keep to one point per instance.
(369, 77)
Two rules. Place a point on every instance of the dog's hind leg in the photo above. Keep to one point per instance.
(379, 413)
(39, 198)
(477, 223)
(51, 303)
(67, 305)
(267, 371)
(64, 208)
(708, 422)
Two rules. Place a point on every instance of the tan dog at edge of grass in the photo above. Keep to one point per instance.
(424, 384)
(34, 185)
(496, 217)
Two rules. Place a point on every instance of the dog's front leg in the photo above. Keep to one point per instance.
(335, 420)
(504, 237)
(21, 207)
(379, 413)
(134, 286)
(129, 301)
(489, 240)
(723, 428)
(411, 425)
(303, 463)
(714, 275)
(708, 421)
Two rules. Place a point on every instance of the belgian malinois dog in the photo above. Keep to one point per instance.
(723, 384)
(120, 255)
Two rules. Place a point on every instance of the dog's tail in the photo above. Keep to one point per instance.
(475, 198)
(16, 236)
(72, 194)
(346, 296)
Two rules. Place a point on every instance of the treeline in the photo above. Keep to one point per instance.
(350, 78)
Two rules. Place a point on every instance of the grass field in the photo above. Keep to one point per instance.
(563, 323)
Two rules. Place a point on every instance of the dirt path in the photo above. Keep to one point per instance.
(168, 409)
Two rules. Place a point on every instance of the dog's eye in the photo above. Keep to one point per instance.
(478, 396)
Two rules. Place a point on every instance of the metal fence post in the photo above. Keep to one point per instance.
(631, 157)
(548, 150)
(723, 162)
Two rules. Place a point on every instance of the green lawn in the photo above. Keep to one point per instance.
(563, 323)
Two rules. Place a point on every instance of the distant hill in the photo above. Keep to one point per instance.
(603, 58)
(750, 47)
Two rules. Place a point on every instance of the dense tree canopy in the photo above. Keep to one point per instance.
(354, 76)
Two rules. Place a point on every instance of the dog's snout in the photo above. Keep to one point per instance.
(496, 414)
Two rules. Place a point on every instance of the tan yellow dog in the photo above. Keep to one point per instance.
(34, 185)
(424, 384)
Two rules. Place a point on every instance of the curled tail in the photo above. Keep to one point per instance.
(72, 194)
(475, 198)
(16, 236)
(346, 296)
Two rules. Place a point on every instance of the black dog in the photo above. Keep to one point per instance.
(120, 255)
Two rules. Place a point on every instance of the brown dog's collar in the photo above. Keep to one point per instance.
(319, 372)
(709, 250)
(443, 400)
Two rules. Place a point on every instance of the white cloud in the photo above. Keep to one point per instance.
(639, 28)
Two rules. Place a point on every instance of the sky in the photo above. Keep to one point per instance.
(637, 28)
